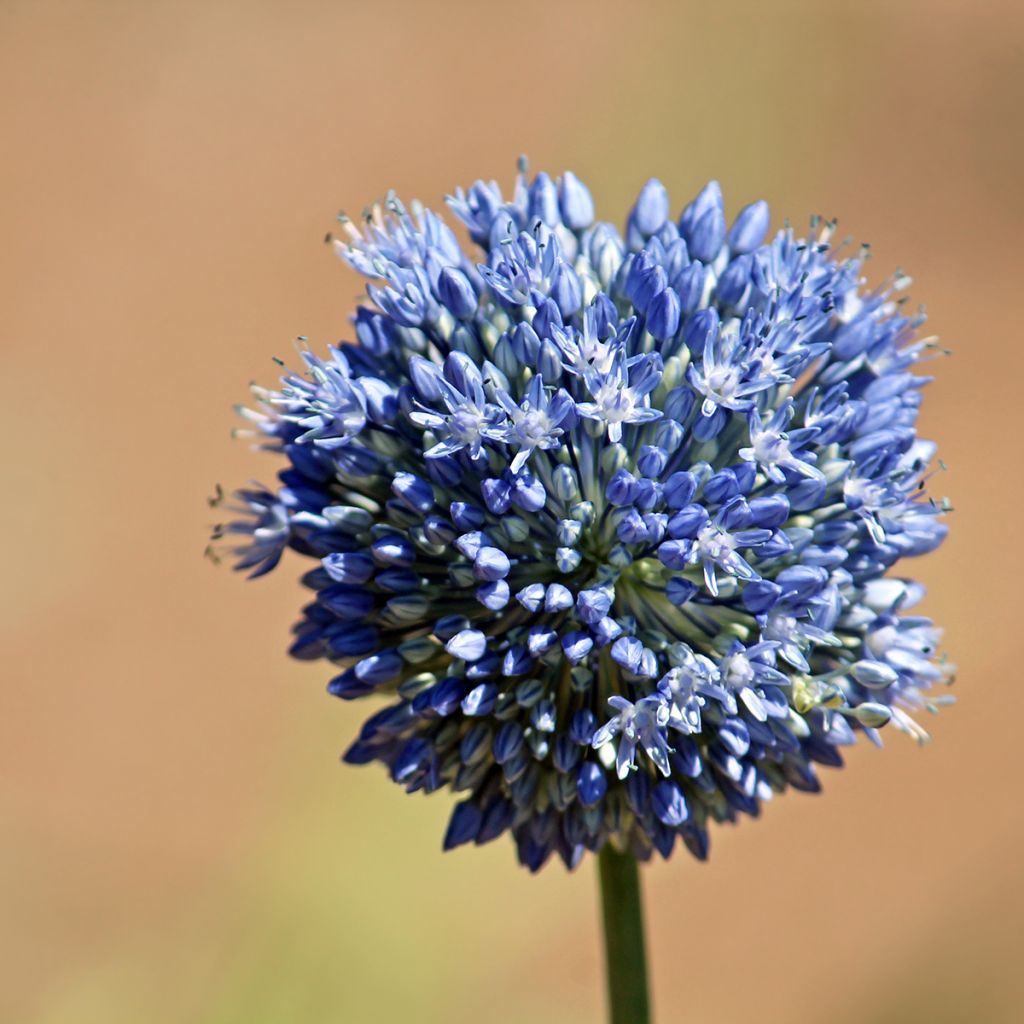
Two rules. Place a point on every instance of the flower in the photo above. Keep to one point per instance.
(605, 519)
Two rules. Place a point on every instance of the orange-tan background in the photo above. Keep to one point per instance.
(179, 841)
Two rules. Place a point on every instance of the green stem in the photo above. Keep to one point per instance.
(625, 958)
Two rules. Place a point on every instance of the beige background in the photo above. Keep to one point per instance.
(180, 843)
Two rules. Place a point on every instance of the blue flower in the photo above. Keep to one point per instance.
(637, 725)
(606, 521)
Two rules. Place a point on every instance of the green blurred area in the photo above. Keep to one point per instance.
(181, 844)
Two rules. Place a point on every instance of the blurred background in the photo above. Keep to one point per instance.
(180, 842)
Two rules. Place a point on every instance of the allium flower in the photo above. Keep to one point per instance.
(605, 520)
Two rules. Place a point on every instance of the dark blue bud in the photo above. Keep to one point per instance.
(468, 644)
(348, 686)
(669, 804)
(444, 471)
(703, 223)
(621, 488)
(631, 528)
(576, 645)
(686, 523)
(638, 268)
(398, 581)
(353, 641)
(438, 530)
(566, 755)
(735, 514)
(414, 492)
(413, 755)
(508, 742)
(531, 597)
(547, 317)
(393, 549)
(734, 282)
(721, 486)
(497, 818)
(800, 583)
(749, 227)
(769, 511)
(778, 546)
(680, 590)
(680, 489)
(480, 700)
(456, 292)
(709, 427)
(549, 362)
(517, 661)
(826, 557)
(574, 199)
(447, 695)
(760, 595)
(689, 284)
(475, 744)
(557, 598)
(348, 567)
(497, 495)
(591, 783)
(566, 290)
(593, 605)
(525, 343)
(651, 209)
(465, 516)
(494, 596)
(628, 652)
(650, 285)
(464, 824)
(703, 324)
(638, 792)
(656, 524)
(543, 200)
(648, 494)
(424, 375)
(491, 564)
(663, 315)
(347, 601)
(582, 727)
(674, 554)
(606, 631)
(380, 668)
(669, 435)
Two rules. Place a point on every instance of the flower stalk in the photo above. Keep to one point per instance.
(625, 951)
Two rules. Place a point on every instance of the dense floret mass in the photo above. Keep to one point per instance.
(606, 518)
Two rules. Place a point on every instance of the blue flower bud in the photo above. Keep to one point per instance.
(591, 783)
(651, 209)
(348, 567)
(664, 315)
(621, 488)
(494, 596)
(748, 230)
(469, 644)
(679, 590)
(547, 318)
(456, 292)
(566, 290)
(544, 200)
(414, 492)
(669, 804)
(491, 564)
(574, 199)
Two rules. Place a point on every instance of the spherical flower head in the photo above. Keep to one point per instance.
(606, 519)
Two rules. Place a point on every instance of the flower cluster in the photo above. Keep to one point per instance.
(606, 517)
